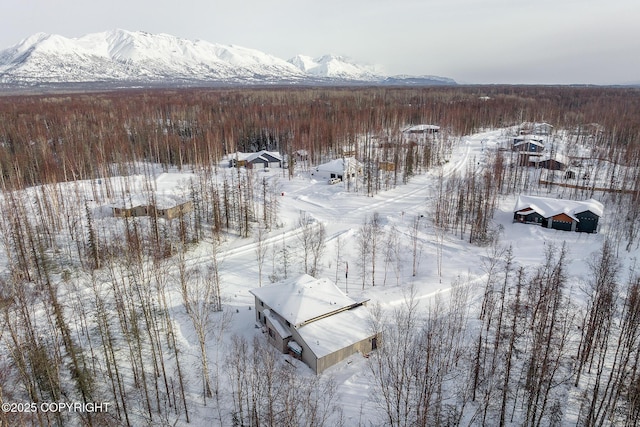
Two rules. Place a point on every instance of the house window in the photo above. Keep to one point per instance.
(261, 304)
(271, 333)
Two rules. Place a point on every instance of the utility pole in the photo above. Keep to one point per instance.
(346, 278)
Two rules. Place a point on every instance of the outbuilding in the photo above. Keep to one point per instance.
(549, 161)
(421, 129)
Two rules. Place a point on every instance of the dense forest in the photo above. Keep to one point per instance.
(53, 138)
(85, 300)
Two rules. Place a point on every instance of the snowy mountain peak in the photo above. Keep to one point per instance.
(303, 62)
(34, 39)
(334, 66)
(137, 57)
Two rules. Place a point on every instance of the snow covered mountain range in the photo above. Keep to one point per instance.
(126, 58)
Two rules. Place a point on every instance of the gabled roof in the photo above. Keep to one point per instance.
(131, 201)
(524, 141)
(264, 155)
(525, 211)
(167, 202)
(548, 207)
(543, 124)
(272, 156)
(421, 129)
(339, 165)
(548, 156)
(536, 126)
(527, 137)
(304, 298)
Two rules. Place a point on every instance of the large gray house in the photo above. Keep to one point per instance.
(314, 321)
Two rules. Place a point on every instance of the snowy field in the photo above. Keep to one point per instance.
(342, 213)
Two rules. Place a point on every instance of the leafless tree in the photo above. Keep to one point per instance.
(261, 250)
(312, 238)
(416, 245)
(364, 237)
(318, 248)
(392, 258)
(376, 231)
(602, 294)
(200, 300)
(418, 358)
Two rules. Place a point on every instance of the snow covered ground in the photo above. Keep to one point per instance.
(342, 213)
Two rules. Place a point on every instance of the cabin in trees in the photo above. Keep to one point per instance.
(160, 207)
(559, 214)
(169, 209)
(528, 143)
(345, 168)
(421, 130)
(387, 166)
(260, 160)
(301, 155)
(348, 152)
(420, 133)
(549, 161)
(314, 321)
(132, 207)
(536, 128)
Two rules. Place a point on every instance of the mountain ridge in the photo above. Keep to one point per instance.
(131, 58)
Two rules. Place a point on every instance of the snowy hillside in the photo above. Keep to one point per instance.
(136, 56)
(334, 67)
(139, 57)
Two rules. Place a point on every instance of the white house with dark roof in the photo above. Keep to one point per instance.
(314, 321)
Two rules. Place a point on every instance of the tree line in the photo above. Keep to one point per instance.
(52, 138)
(529, 349)
(86, 301)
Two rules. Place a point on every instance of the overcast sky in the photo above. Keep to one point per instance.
(471, 41)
